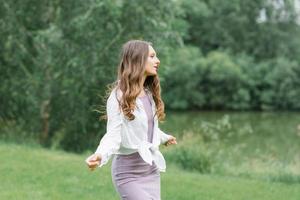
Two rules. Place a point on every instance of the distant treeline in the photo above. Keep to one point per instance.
(56, 58)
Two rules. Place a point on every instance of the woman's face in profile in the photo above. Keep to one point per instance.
(152, 63)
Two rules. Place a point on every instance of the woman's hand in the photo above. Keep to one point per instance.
(93, 161)
(172, 140)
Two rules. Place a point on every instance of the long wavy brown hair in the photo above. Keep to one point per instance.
(131, 70)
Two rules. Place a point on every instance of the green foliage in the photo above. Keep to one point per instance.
(223, 83)
(190, 158)
(272, 84)
(182, 79)
(221, 80)
(214, 81)
(261, 28)
(284, 84)
(197, 152)
(57, 57)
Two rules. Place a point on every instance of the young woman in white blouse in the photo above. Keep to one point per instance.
(134, 108)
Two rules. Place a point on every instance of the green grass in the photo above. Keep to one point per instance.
(37, 173)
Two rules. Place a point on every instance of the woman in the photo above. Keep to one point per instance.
(134, 108)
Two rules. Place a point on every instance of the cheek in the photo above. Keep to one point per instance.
(149, 65)
(148, 68)
(151, 62)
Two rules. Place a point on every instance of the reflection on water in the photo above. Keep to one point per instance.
(273, 132)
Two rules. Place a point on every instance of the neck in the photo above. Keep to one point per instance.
(143, 81)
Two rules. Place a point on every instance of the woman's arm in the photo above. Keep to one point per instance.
(110, 142)
(166, 139)
(163, 136)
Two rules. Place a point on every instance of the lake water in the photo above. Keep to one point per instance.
(276, 133)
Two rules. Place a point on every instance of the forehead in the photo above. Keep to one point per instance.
(151, 50)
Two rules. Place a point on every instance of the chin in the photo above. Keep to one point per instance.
(152, 74)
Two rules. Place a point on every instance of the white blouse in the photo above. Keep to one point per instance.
(125, 137)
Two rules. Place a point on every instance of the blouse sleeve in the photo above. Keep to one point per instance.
(163, 136)
(110, 142)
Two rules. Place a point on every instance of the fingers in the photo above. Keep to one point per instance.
(92, 165)
(93, 161)
(94, 158)
(171, 141)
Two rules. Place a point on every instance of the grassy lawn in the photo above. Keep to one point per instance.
(36, 173)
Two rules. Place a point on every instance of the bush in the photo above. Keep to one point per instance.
(191, 155)
(205, 150)
(194, 81)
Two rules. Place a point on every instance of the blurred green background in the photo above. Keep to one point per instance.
(230, 77)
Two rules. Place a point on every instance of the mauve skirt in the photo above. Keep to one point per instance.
(134, 179)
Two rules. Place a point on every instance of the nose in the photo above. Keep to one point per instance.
(157, 61)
